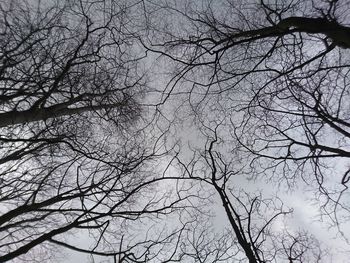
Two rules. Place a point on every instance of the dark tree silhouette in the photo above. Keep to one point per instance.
(251, 235)
(81, 154)
(277, 72)
(275, 75)
(75, 153)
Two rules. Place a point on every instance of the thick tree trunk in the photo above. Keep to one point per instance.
(246, 246)
(340, 35)
(32, 115)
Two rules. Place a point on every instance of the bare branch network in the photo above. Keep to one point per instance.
(174, 131)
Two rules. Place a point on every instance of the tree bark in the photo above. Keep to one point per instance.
(32, 115)
(340, 35)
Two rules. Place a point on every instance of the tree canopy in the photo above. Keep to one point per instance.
(163, 131)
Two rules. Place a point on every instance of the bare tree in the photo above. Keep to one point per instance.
(75, 153)
(79, 154)
(251, 234)
(277, 72)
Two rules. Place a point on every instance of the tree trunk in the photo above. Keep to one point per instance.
(32, 115)
(340, 35)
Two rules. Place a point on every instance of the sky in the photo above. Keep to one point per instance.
(193, 110)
